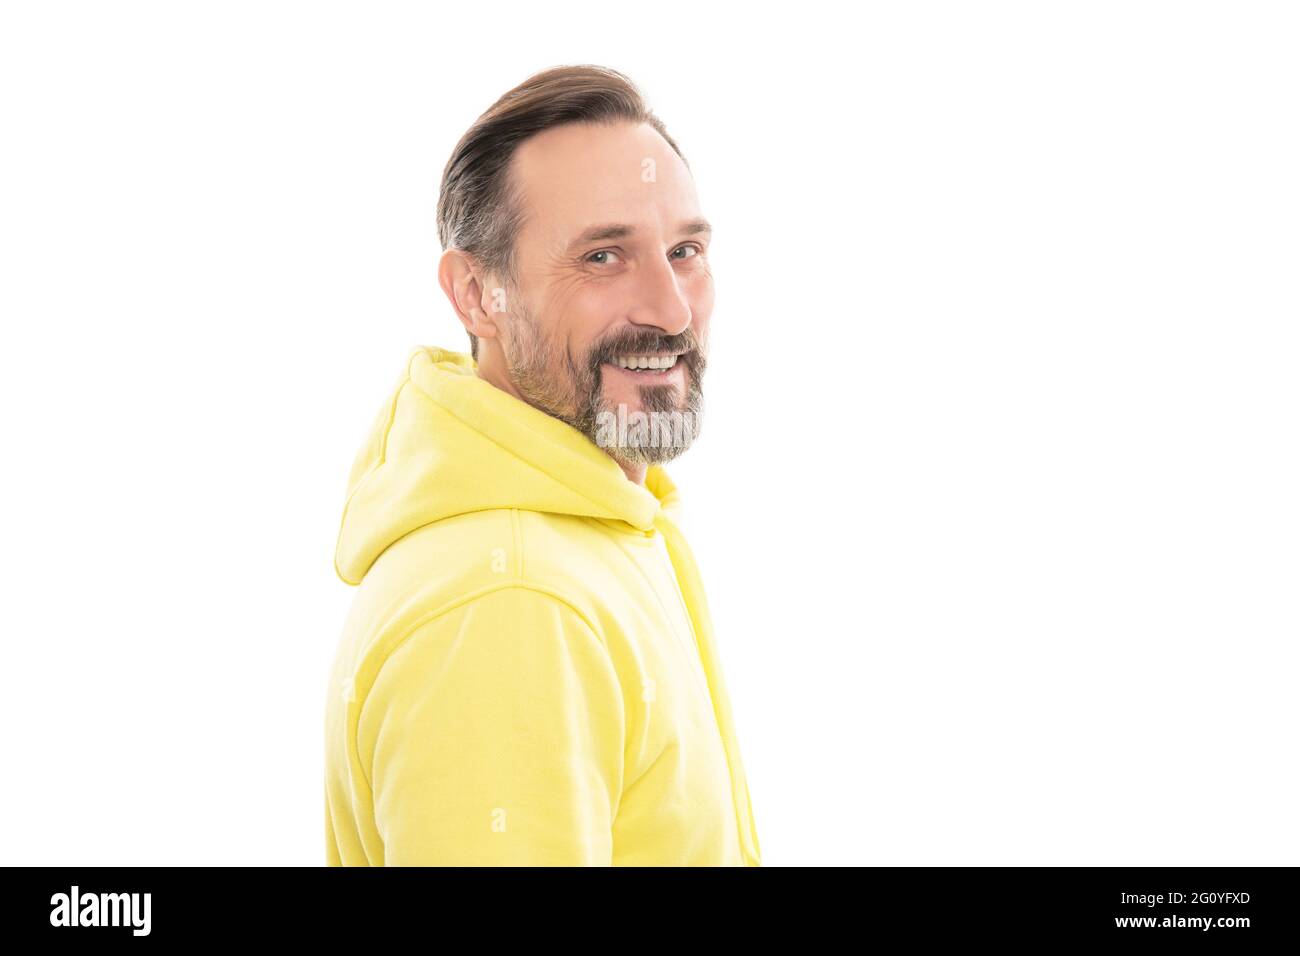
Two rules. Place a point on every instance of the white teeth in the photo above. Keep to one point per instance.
(646, 361)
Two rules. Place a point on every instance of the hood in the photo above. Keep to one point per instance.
(446, 442)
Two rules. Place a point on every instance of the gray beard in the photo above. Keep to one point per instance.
(550, 381)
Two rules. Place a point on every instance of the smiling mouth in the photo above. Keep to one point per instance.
(648, 366)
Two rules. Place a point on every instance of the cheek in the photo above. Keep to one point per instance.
(567, 312)
(700, 297)
(588, 313)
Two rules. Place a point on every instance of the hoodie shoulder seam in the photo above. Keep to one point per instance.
(424, 620)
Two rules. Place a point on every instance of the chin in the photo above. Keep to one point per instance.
(645, 456)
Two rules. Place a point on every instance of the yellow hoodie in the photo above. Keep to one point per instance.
(528, 674)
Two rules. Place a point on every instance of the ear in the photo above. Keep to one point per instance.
(477, 302)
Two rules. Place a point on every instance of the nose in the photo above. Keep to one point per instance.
(661, 301)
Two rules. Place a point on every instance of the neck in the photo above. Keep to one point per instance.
(491, 368)
(635, 472)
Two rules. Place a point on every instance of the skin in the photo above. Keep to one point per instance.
(580, 300)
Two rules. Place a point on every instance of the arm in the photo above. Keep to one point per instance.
(498, 738)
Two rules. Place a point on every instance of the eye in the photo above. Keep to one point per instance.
(693, 250)
(603, 252)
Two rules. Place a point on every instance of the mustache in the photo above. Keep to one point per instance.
(685, 343)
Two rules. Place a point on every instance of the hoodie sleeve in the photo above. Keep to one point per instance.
(498, 738)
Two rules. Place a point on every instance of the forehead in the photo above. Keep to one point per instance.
(573, 176)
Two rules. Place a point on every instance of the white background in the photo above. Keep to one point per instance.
(996, 500)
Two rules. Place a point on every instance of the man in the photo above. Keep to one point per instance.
(528, 675)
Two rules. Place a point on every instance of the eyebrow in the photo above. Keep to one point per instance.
(618, 230)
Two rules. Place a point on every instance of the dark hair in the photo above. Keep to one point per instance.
(478, 208)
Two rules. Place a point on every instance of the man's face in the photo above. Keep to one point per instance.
(612, 266)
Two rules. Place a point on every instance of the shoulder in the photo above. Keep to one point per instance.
(499, 625)
(497, 570)
(493, 670)
(574, 561)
